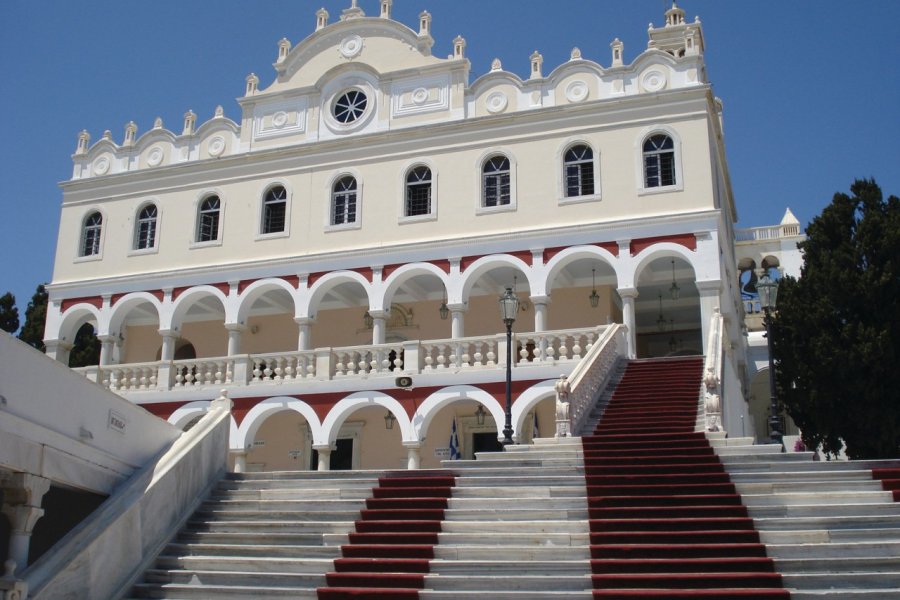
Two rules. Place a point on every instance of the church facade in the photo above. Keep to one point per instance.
(333, 258)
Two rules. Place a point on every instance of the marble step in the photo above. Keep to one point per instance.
(505, 595)
(218, 592)
(245, 564)
(268, 527)
(502, 527)
(825, 485)
(817, 498)
(580, 538)
(881, 548)
(516, 514)
(296, 493)
(507, 567)
(524, 464)
(235, 578)
(223, 504)
(555, 491)
(521, 581)
(225, 513)
(805, 476)
(847, 564)
(844, 581)
(831, 523)
(295, 484)
(510, 480)
(251, 550)
(824, 536)
(251, 537)
(831, 510)
(535, 551)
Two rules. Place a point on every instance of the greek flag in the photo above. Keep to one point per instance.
(454, 443)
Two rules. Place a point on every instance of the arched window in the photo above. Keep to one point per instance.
(418, 192)
(495, 181)
(145, 228)
(274, 210)
(343, 201)
(579, 169)
(659, 161)
(90, 234)
(208, 219)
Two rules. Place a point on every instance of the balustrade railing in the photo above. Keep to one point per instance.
(566, 346)
(577, 392)
(711, 388)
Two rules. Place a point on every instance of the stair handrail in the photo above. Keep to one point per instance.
(128, 531)
(576, 392)
(711, 386)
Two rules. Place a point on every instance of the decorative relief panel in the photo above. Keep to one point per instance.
(577, 91)
(216, 146)
(496, 102)
(420, 96)
(653, 79)
(273, 120)
(351, 46)
(101, 164)
(155, 156)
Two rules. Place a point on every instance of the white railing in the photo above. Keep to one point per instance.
(564, 346)
(577, 392)
(711, 388)
(771, 232)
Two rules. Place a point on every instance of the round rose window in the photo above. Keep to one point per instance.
(350, 106)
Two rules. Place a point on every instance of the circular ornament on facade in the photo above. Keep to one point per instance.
(217, 146)
(155, 156)
(496, 102)
(577, 91)
(419, 96)
(653, 80)
(351, 46)
(350, 106)
(101, 165)
(279, 119)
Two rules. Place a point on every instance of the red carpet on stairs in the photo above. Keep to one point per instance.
(666, 521)
(890, 480)
(388, 555)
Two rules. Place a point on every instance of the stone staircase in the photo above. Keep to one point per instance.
(517, 526)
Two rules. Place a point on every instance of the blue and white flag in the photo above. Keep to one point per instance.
(454, 443)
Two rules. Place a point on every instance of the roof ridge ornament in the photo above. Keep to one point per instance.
(354, 12)
(321, 18)
(386, 8)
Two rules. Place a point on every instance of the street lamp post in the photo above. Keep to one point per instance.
(768, 294)
(509, 307)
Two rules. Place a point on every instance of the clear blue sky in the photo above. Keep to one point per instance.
(811, 89)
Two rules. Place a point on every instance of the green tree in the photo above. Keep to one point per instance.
(85, 348)
(9, 314)
(32, 332)
(836, 337)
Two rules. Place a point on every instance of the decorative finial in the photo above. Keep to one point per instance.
(130, 133)
(354, 12)
(157, 123)
(321, 18)
(107, 135)
(424, 24)
(189, 120)
(576, 54)
(496, 65)
(84, 139)
(386, 8)
(536, 62)
(459, 47)
(284, 46)
(617, 48)
(220, 112)
(252, 83)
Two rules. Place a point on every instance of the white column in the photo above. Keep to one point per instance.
(324, 457)
(58, 350)
(235, 332)
(628, 296)
(540, 312)
(457, 320)
(304, 333)
(107, 343)
(379, 318)
(413, 455)
(169, 337)
(240, 461)
(22, 506)
(709, 304)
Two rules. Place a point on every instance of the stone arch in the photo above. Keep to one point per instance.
(331, 426)
(487, 263)
(662, 250)
(125, 305)
(406, 273)
(328, 282)
(184, 414)
(444, 397)
(258, 289)
(255, 417)
(75, 317)
(528, 399)
(186, 299)
(574, 253)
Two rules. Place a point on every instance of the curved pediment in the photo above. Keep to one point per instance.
(371, 44)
